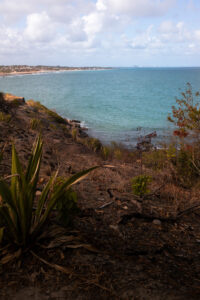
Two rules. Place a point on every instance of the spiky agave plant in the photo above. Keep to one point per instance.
(23, 224)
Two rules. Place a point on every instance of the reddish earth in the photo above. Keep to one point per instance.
(119, 248)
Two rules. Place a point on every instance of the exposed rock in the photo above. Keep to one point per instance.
(38, 193)
(157, 222)
(13, 98)
(75, 121)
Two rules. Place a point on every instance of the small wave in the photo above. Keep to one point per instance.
(84, 125)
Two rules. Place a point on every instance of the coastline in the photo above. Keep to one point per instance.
(25, 73)
(110, 217)
(33, 71)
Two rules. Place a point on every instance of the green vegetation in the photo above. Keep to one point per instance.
(36, 124)
(5, 117)
(67, 205)
(57, 118)
(118, 154)
(74, 134)
(185, 156)
(93, 144)
(186, 117)
(140, 185)
(181, 158)
(155, 159)
(105, 152)
(38, 106)
(23, 219)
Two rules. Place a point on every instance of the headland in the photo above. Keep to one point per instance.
(120, 246)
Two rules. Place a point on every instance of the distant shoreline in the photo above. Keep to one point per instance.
(26, 70)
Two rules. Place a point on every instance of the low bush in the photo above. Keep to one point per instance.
(105, 152)
(118, 154)
(38, 106)
(56, 117)
(22, 217)
(67, 205)
(140, 185)
(186, 165)
(185, 156)
(156, 159)
(94, 144)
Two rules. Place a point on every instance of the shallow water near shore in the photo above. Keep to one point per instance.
(116, 105)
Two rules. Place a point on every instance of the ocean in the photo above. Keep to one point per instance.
(115, 105)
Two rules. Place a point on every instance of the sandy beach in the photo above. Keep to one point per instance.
(11, 70)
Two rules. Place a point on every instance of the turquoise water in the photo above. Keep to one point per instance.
(113, 104)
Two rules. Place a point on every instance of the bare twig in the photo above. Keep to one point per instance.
(105, 205)
(188, 210)
(10, 176)
(70, 271)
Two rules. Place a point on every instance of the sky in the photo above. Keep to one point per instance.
(116, 33)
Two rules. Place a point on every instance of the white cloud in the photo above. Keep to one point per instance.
(167, 26)
(93, 23)
(76, 31)
(138, 8)
(168, 39)
(175, 32)
(101, 22)
(39, 28)
(197, 34)
(86, 27)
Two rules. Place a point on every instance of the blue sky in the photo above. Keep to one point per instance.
(100, 32)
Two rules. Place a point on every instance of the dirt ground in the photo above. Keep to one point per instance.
(118, 247)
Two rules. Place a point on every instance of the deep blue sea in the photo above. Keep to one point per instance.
(116, 105)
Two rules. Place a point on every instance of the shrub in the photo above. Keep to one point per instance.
(105, 152)
(186, 155)
(186, 117)
(186, 165)
(64, 128)
(171, 152)
(140, 185)
(94, 144)
(22, 224)
(67, 205)
(155, 159)
(38, 106)
(91, 143)
(118, 154)
(57, 118)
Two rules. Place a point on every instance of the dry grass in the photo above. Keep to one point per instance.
(52, 114)
(5, 117)
(36, 124)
